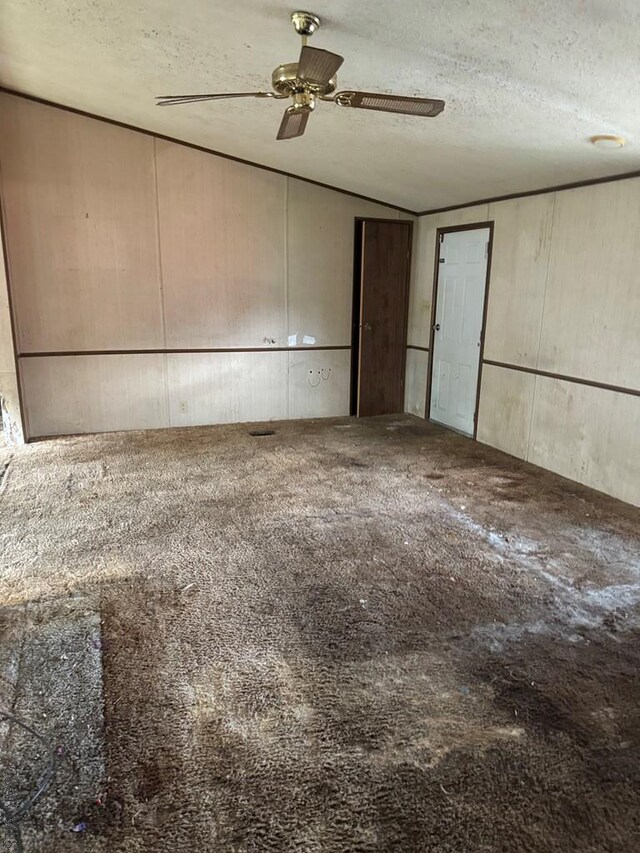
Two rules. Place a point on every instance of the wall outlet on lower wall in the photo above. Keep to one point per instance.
(317, 377)
(183, 407)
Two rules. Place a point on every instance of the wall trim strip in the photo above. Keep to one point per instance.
(176, 350)
(421, 349)
(7, 91)
(588, 182)
(620, 389)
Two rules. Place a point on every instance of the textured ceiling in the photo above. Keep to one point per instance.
(525, 83)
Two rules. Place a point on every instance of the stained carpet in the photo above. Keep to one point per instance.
(347, 636)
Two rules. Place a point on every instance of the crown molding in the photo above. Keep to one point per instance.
(589, 182)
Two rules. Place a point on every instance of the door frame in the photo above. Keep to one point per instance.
(355, 310)
(440, 232)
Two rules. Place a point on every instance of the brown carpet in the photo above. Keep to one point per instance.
(348, 636)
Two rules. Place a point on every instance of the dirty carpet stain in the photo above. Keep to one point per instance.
(349, 636)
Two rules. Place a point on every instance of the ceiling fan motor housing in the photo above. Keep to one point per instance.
(285, 81)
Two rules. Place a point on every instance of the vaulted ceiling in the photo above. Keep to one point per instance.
(525, 84)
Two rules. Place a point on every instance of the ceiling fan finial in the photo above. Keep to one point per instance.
(305, 23)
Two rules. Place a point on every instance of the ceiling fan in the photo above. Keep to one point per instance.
(312, 78)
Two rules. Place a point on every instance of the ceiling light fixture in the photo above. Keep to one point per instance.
(608, 141)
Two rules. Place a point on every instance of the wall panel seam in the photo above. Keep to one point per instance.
(159, 243)
(547, 274)
(165, 377)
(165, 366)
(531, 415)
(550, 231)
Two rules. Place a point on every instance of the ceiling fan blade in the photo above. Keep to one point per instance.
(294, 123)
(428, 107)
(171, 100)
(318, 66)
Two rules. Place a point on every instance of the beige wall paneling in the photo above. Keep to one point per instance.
(504, 415)
(12, 422)
(413, 278)
(94, 393)
(11, 419)
(591, 326)
(420, 294)
(222, 238)
(7, 358)
(80, 206)
(415, 382)
(588, 434)
(463, 216)
(320, 232)
(226, 387)
(519, 266)
(319, 383)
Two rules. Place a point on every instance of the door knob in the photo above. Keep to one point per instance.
(436, 328)
(366, 326)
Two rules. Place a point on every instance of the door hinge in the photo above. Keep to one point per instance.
(442, 261)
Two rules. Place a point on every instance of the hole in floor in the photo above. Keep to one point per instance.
(262, 432)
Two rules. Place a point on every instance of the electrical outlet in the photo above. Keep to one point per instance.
(184, 407)
(318, 376)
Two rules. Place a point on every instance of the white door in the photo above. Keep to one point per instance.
(462, 275)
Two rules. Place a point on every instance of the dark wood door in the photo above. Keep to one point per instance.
(385, 262)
